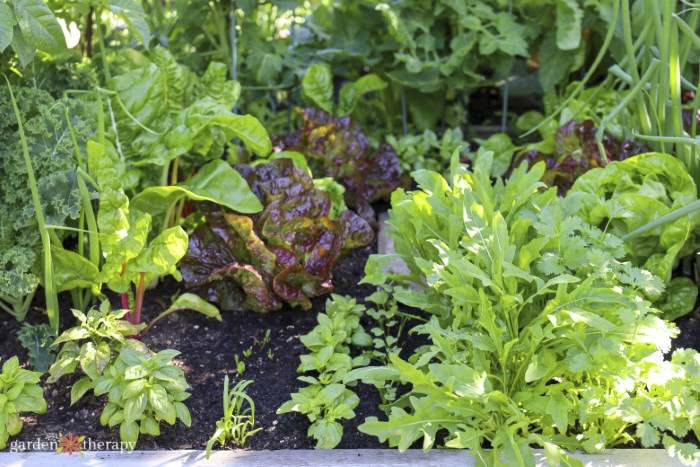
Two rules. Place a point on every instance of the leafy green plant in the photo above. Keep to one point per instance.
(28, 25)
(317, 86)
(144, 389)
(19, 392)
(541, 334)
(283, 254)
(38, 339)
(182, 121)
(426, 150)
(237, 424)
(93, 345)
(627, 195)
(240, 364)
(326, 399)
(337, 147)
(385, 338)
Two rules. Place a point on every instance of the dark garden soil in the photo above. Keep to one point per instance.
(208, 348)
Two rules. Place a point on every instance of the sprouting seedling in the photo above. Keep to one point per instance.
(262, 343)
(237, 423)
(240, 365)
(247, 352)
(270, 354)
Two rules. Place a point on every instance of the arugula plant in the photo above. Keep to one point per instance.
(284, 254)
(38, 340)
(19, 392)
(326, 399)
(143, 389)
(237, 424)
(540, 333)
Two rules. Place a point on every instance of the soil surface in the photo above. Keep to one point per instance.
(207, 351)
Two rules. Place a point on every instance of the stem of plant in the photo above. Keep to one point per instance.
(49, 287)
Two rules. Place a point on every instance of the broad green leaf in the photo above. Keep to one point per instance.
(351, 92)
(569, 16)
(189, 301)
(71, 270)
(133, 15)
(129, 432)
(22, 48)
(79, 388)
(39, 26)
(160, 257)
(216, 182)
(327, 433)
(317, 85)
(7, 23)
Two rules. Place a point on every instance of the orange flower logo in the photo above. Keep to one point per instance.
(70, 444)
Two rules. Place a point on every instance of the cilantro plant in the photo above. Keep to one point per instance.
(144, 389)
(326, 399)
(19, 392)
(541, 335)
(237, 424)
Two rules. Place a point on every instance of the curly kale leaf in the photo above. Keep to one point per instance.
(284, 254)
(53, 159)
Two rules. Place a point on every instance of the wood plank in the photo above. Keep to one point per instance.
(302, 458)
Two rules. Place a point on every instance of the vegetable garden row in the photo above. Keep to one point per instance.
(190, 204)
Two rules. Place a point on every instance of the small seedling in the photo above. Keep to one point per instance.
(266, 340)
(237, 423)
(240, 365)
(247, 352)
(270, 354)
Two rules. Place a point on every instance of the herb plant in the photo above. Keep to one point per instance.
(326, 399)
(143, 389)
(426, 150)
(237, 424)
(93, 345)
(19, 392)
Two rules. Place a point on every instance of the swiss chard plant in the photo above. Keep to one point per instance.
(19, 392)
(337, 147)
(283, 254)
(181, 120)
(541, 334)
